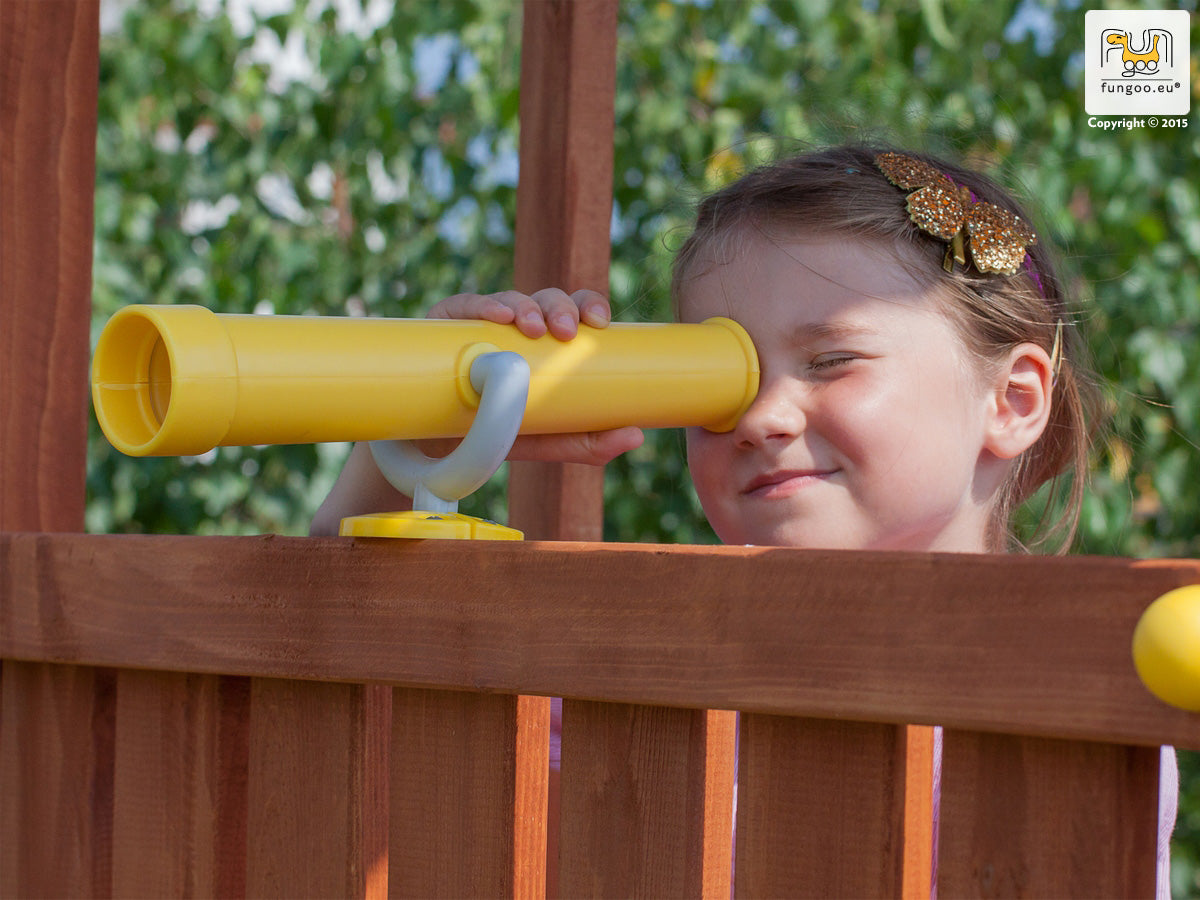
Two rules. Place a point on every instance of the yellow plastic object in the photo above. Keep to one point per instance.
(426, 525)
(180, 380)
(1166, 648)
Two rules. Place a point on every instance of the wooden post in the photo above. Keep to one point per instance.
(564, 207)
(57, 721)
(564, 211)
(49, 65)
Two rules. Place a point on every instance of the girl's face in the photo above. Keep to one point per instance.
(868, 428)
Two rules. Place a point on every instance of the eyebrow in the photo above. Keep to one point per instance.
(812, 331)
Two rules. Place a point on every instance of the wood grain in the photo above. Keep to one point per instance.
(916, 748)
(317, 813)
(564, 210)
(56, 791)
(1030, 645)
(820, 809)
(49, 64)
(531, 817)
(643, 797)
(180, 785)
(56, 723)
(463, 769)
(1026, 817)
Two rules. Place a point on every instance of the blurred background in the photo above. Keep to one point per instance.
(355, 157)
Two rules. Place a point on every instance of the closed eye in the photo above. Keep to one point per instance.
(826, 361)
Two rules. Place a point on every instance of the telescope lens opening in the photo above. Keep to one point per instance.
(132, 381)
(159, 386)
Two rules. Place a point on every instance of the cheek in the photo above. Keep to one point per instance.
(708, 457)
(701, 450)
(860, 419)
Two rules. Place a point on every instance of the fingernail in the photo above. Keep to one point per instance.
(563, 322)
(595, 316)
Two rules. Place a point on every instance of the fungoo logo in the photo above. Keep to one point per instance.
(1136, 62)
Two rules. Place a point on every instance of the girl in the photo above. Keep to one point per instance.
(920, 376)
(901, 405)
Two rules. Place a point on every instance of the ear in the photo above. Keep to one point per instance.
(1020, 407)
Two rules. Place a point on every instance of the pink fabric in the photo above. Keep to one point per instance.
(556, 734)
(1168, 809)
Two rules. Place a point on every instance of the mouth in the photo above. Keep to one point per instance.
(785, 482)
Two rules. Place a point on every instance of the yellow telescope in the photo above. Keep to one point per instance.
(181, 380)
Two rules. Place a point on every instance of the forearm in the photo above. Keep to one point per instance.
(359, 489)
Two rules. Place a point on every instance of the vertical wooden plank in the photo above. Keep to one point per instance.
(821, 808)
(530, 814)
(564, 211)
(720, 767)
(915, 747)
(1035, 817)
(49, 64)
(466, 820)
(56, 731)
(180, 785)
(56, 781)
(316, 786)
(639, 801)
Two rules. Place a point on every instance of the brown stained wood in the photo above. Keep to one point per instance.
(915, 746)
(564, 198)
(468, 774)
(376, 789)
(316, 820)
(820, 809)
(719, 784)
(1033, 645)
(56, 731)
(1026, 817)
(564, 210)
(56, 760)
(641, 801)
(556, 501)
(55, 722)
(530, 809)
(180, 785)
(49, 65)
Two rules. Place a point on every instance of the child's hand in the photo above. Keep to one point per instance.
(558, 313)
(547, 310)
(360, 488)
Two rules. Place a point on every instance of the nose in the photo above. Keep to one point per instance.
(775, 413)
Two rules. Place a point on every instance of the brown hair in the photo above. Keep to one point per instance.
(840, 190)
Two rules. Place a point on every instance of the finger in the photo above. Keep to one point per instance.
(475, 306)
(593, 448)
(593, 308)
(559, 312)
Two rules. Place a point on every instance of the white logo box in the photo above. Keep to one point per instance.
(1136, 62)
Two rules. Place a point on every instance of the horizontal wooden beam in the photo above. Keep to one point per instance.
(1020, 644)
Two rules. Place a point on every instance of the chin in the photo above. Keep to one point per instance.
(798, 538)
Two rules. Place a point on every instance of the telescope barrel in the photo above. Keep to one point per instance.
(180, 380)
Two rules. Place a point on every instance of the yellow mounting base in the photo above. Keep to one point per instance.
(427, 525)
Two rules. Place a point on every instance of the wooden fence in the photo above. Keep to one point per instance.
(274, 716)
(296, 717)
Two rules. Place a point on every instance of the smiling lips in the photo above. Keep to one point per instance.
(785, 482)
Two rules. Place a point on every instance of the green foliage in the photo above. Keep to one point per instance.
(364, 186)
(375, 183)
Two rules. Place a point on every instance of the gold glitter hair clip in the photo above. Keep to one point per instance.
(995, 237)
